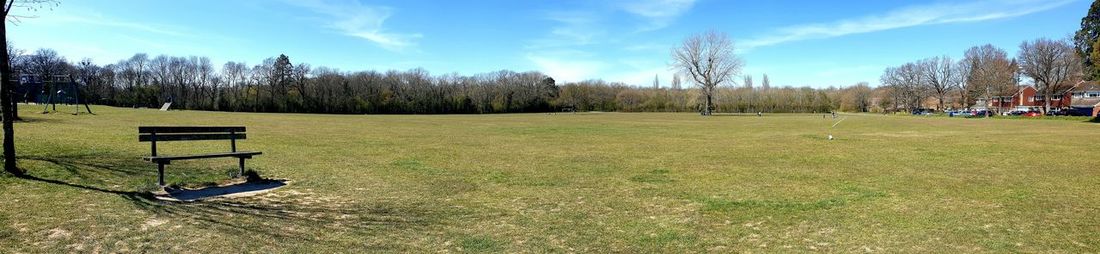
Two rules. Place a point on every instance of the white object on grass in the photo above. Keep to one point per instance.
(165, 107)
(834, 125)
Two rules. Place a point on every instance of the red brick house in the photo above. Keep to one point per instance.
(1028, 98)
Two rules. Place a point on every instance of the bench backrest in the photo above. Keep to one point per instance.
(156, 134)
(190, 133)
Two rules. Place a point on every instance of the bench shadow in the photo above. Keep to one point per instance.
(241, 188)
(286, 215)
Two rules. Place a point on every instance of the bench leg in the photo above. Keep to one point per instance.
(241, 173)
(160, 174)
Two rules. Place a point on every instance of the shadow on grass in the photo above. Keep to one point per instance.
(25, 118)
(275, 215)
(738, 114)
(96, 166)
(251, 186)
(1095, 120)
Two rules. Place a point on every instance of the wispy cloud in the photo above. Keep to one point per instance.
(96, 19)
(363, 21)
(658, 13)
(571, 28)
(911, 16)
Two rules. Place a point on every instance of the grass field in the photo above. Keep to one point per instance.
(588, 182)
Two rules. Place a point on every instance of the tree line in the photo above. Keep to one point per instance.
(279, 85)
(985, 72)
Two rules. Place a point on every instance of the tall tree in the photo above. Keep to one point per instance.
(710, 61)
(765, 83)
(941, 75)
(1087, 41)
(991, 73)
(676, 82)
(6, 99)
(1052, 64)
(656, 82)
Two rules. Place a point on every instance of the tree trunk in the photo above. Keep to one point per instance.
(706, 108)
(940, 105)
(14, 104)
(989, 102)
(6, 102)
(1046, 99)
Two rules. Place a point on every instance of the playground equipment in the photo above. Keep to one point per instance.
(52, 90)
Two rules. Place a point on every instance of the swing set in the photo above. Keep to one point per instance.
(52, 90)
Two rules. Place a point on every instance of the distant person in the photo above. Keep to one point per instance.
(759, 114)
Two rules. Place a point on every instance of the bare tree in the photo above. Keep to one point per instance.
(710, 61)
(765, 83)
(676, 82)
(1052, 64)
(906, 83)
(891, 79)
(990, 73)
(941, 76)
(861, 96)
(962, 84)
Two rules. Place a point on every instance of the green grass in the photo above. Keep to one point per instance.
(587, 182)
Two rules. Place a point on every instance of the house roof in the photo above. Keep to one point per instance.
(1085, 102)
(1021, 88)
(1087, 86)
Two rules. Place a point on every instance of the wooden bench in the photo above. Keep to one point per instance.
(154, 134)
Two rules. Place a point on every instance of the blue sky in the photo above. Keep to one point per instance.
(797, 43)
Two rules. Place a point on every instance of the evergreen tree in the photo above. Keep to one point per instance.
(1087, 41)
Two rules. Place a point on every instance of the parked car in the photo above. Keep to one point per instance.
(981, 113)
(1032, 114)
(1057, 112)
(962, 113)
(1079, 112)
(923, 111)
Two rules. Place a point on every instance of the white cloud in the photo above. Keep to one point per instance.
(363, 21)
(567, 67)
(908, 17)
(574, 66)
(659, 13)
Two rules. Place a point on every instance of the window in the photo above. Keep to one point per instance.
(1092, 94)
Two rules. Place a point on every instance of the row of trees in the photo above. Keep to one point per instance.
(986, 72)
(279, 85)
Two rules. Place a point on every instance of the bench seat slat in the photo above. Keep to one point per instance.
(189, 129)
(244, 154)
(190, 137)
